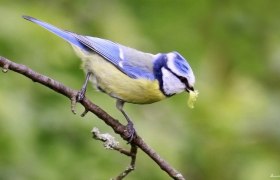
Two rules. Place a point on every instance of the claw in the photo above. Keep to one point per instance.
(131, 131)
(5, 68)
(78, 98)
(84, 113)
(73, 104)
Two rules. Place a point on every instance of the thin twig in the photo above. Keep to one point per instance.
(111, 143)
(131, 167)
(88, 105)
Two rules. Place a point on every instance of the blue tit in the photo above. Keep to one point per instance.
(127, 74)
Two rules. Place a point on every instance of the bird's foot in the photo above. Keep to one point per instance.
(131, 131)
(77, 98)
(81, 95)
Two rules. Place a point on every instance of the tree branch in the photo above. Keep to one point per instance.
(90, 107)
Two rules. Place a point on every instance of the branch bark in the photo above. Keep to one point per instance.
(90, 107)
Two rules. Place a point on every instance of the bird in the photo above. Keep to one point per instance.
(127, 74)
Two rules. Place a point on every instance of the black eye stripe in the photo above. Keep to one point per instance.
(181, 78)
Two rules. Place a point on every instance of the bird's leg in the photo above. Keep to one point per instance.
(81, 94)
(129, 126)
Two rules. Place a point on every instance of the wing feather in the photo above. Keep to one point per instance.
(134, 63)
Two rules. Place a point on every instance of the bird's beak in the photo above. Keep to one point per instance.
(189, 88)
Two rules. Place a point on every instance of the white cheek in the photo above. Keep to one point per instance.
(171, 84)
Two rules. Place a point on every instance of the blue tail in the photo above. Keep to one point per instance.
(59, 32)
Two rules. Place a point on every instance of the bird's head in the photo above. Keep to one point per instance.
(173, 73)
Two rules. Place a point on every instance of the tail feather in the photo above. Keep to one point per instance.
(59, 32)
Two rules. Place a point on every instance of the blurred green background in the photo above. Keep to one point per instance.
(232, 134)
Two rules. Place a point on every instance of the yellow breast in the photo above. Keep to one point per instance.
(117, 84)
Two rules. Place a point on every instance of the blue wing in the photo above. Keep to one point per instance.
(134, 63)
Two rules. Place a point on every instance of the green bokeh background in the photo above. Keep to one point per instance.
(232, 134)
